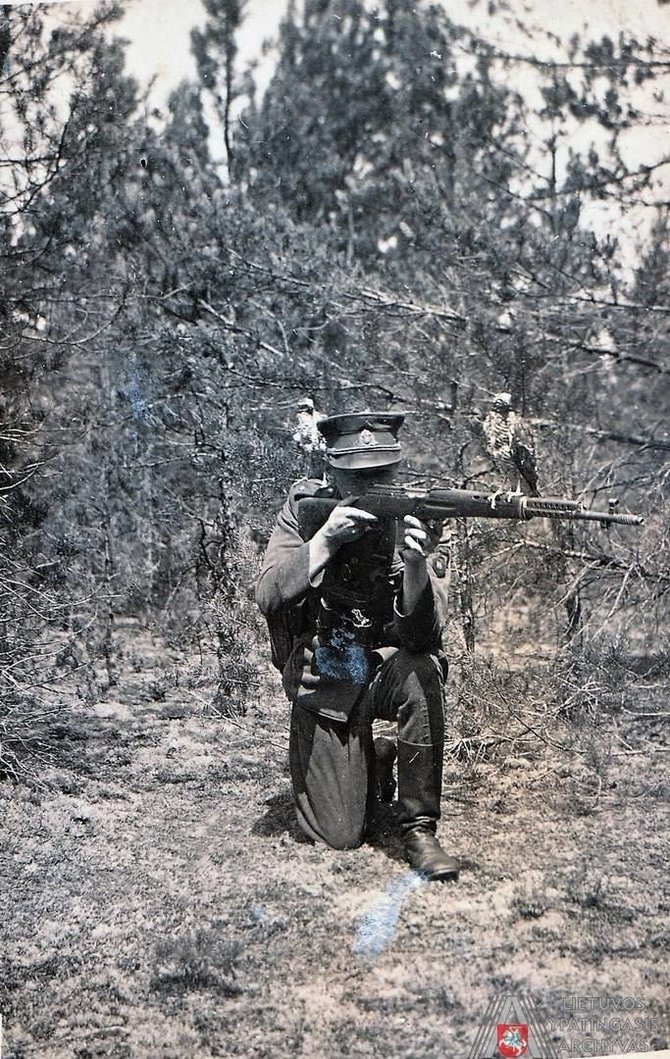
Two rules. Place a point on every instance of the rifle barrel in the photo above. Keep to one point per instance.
(606, 517)
(556, 507)
(468, 503)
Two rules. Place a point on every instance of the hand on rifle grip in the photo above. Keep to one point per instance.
(346, 524)
(421, 538)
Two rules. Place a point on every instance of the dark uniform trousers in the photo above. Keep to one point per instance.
(332, 762)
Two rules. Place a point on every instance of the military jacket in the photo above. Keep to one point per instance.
(329, 637)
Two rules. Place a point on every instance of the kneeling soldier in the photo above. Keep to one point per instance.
(355, 619)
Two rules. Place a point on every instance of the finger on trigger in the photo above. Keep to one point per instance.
(357, 514)
(361, 514)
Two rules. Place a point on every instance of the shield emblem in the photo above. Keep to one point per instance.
(512, 1039)
(366, 437)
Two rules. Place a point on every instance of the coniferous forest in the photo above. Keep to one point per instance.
(408, 218)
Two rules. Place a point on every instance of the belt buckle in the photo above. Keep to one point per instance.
(359, 619)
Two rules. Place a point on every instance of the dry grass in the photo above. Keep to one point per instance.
(161, 902)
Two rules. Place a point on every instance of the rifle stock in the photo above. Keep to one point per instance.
(443, 504)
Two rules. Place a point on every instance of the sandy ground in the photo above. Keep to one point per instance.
(160, 902)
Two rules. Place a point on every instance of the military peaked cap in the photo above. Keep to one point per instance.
(362, 439)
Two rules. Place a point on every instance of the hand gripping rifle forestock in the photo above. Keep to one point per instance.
(442, 504)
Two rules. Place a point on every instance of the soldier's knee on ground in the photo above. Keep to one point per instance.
(336, 834)
(346, 840)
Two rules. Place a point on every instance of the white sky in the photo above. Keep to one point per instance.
(159, 34)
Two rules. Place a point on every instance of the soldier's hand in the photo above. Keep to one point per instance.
(346, 524)
(421, 538)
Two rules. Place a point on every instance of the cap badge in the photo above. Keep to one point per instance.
(367, 438)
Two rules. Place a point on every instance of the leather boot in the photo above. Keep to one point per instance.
(419, 792)
(385, 755)
(425, 854)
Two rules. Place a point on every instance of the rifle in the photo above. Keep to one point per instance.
(396, 501)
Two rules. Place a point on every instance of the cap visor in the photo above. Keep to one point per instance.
(359, 461)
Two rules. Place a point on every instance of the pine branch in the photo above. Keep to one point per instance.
(555, 64)
(623, 358)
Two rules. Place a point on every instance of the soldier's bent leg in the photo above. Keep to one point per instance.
(408, 688)
(330, 769)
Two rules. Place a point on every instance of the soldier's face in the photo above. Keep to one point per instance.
(353, 483)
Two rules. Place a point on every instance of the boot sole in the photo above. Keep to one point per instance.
(437, 874)
(448, 875)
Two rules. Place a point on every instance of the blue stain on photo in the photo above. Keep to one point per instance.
(377, 926)
(340, 659)
(135, 390)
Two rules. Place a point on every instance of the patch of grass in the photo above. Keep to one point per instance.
(194, 961)
(587, 888)
(528, 903)
(175, 775)
(157, 690)
(175, 711)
